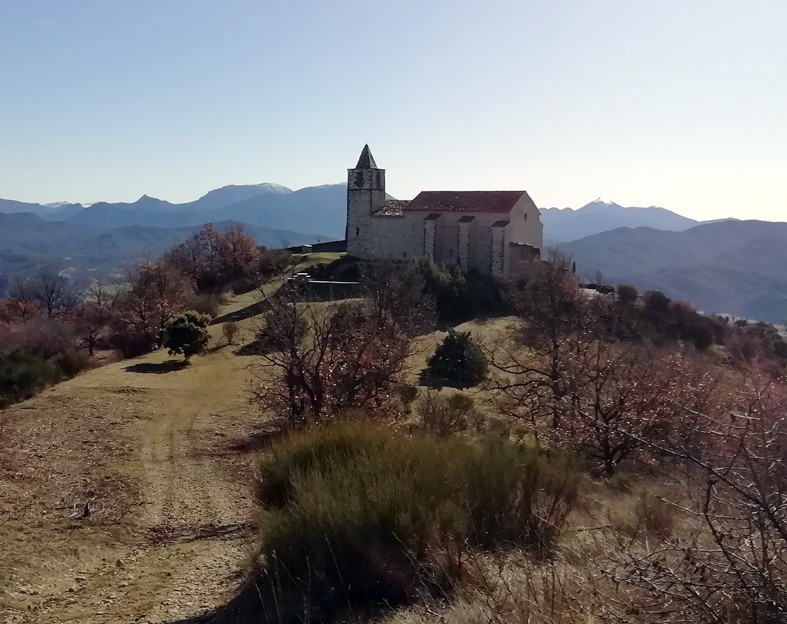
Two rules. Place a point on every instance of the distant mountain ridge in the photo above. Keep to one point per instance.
(320, 209)
(311, 210)
(29, 244)
(102, 237)
(567, 224)
(730, 266)
(723, 266)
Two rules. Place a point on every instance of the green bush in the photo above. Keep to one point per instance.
(23, 375)
(358, 516)
(460, 297)
(187, 334)
(458, 360)
(71, 362)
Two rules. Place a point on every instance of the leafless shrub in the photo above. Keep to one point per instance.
(734, 567)
(326, 361)
(407, 394)
(445, 415)
(230, 331)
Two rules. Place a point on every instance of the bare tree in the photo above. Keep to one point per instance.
(23, 302)
(623, 397)
(53, 295)
(528, 373)
(156, 293)
(735, 459)
(397, 292)
(95, 313)
(322, 362)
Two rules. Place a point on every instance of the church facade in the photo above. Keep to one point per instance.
(492, 232)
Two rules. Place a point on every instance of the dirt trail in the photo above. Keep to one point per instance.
(164, 457)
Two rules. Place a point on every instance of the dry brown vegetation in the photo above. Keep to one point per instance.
(126, 493)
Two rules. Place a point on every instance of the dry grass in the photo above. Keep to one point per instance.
(305, 261)
(163, 457)
(511, 588)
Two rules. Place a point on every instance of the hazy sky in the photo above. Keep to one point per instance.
(681, 104)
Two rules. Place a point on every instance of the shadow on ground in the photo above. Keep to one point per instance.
(244, 608)
(241, 315)
(429, 380)
(253, 442)
(157, 368)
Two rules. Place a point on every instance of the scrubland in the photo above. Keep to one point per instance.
(621, 461)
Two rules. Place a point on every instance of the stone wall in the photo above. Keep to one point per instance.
(498, 255)
(525, 224)
(463, 239)
(365, 196)
(473, 244)
(390, 237)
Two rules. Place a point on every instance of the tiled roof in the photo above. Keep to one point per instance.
(366, 161)
(466, 201)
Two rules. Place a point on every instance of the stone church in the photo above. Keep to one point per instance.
(495, 232)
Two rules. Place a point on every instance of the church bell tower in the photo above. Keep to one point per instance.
(365, 196)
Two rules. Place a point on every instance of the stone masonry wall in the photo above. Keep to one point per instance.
(473, 244)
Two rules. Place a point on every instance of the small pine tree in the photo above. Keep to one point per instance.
(458, 360)
(187, 334)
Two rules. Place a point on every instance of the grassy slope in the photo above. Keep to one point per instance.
(165, 457)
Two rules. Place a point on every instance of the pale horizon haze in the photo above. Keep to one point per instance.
(674, 104)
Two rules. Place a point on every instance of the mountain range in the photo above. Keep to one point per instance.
(722, 266)
(30, 245)
(96, 240)
(567, 224)
(316, 210)
(736, 267)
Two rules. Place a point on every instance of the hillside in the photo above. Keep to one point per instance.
(726, 266)
(165, 459)
(29, 243)
(735, 267)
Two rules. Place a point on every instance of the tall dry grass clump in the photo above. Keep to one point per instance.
(358, 516)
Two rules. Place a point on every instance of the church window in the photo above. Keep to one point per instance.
(404, 254)
(525, 216)
(357, 231)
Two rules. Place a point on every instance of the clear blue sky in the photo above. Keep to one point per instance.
(681, 104)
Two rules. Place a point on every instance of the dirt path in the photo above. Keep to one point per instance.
(164, 457)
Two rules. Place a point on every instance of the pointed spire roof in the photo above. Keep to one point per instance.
(366, 161)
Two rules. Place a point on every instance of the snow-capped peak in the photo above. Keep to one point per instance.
(274, 188)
